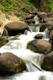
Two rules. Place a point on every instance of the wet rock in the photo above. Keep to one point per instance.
(47, 62)
(40, 46)
(39, 36)
(16, 26)
(10, 63)
(3, 41)
(46, 25)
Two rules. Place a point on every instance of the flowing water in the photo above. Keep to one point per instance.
(32, 60)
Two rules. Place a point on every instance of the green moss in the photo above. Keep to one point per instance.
(20, 67)
(3, 41)
(14, 38)
(50, 5)
(31, 46)
(46, 66)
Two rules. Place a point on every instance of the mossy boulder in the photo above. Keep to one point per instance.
(47, 62)
(3, 40)
(39, 36)
(10, 63)
(40, 46)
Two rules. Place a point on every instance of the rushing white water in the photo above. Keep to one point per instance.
(37, 22)
(46, 33)
(34, 28)
(33, 73)
(22, 42)
(18, 47)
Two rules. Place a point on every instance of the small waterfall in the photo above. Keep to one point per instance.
(32, 60)
(37, 22)
(46, 33)
(34, 28)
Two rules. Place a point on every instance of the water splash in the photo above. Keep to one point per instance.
(46, 33)
(35, 28)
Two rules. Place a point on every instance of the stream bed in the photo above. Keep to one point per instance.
(32, 59)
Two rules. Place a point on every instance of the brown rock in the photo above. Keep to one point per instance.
(48, 19)
(39, 45)
(12, 26)
(42, 15)
(47, 62)
(9, 63)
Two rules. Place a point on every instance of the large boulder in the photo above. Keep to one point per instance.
(40, 46)
(16, 26)
(10, 63)
(47, 62)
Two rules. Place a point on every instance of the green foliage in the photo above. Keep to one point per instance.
(50, 5)
(10, 5)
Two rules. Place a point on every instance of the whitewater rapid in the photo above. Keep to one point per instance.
(19, 48)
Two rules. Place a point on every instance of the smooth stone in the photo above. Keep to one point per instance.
(47, 62)
(40, 46)
(10, 63)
